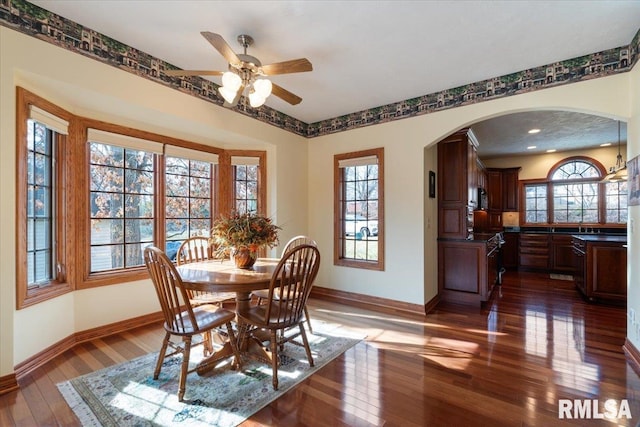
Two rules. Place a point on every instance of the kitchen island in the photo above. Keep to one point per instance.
(468, 268)
(601, 267)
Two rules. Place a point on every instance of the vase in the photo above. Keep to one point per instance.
(244, 257)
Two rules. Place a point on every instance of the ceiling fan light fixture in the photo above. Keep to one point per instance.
(255, 100)
(228, 94)
(263, 87)
(231, 81)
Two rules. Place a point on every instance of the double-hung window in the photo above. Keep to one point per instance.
(247, 178)
(41, 255)
(122, 199)
(94, 195)
(189, 189)
(359, 209)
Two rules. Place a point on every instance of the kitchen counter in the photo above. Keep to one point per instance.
(604, 238)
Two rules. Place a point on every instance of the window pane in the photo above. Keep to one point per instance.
(40, 203)
(535, 203)
(616, 202)
(120, 230)
(359, 207)
(188, 202)
(246, 188)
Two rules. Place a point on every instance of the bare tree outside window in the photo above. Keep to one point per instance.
(188, 186)
(122, 201)
(577, 195)
(246, 188)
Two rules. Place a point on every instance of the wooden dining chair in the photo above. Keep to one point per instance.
(183, 323)
(262, 294)
(289, 289)
(197, 249)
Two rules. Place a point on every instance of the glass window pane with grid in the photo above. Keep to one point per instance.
(122, 197)
(188, 200)
(360, 212)
(246, 188)
(616, 202)
(575, 202)
(536, 203)
(41, 197)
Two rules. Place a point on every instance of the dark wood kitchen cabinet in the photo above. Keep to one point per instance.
(510, 189)
(533, 251)
(457, 184)
(467, 270)
(562, 253)
(601, 267)
(502, 195)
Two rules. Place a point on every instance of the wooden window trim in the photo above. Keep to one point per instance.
(262, 179)
(65, 222)
(337, 208)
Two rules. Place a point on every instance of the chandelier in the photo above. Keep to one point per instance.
(618, 172)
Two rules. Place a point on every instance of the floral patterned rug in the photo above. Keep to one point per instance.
(127, 395)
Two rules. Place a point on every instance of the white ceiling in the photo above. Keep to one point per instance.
(370, 53)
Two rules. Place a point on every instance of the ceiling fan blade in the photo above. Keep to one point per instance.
(193, 73)
(221, 46)
(285, 95)
(299, 65)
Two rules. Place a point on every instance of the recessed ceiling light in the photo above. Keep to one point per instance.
(606, 144)
(531, 147)
(553, 150)
(534, 130)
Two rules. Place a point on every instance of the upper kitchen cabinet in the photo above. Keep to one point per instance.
(457, 184)
(510, 189)
(502, 194)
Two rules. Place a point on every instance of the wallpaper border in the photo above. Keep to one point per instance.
(42, 24)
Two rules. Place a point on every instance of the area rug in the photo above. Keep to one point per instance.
(127, 395)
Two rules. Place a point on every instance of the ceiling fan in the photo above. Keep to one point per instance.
(245, 72)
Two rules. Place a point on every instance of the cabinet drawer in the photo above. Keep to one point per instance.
(534, 261)
(542, 250)
(534, 240)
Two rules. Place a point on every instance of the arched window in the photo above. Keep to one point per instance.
(573, 193)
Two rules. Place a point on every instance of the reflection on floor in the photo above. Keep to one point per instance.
(515, 361)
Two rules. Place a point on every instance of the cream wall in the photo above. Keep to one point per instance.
(538, 165)
(300, 177)
(89, 88)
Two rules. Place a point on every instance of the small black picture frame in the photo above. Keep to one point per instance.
(432, 184)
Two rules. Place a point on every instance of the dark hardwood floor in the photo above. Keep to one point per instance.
(507, 364)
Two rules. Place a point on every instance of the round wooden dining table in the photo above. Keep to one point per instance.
(224, 276)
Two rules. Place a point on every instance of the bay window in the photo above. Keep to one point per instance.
(95, 194)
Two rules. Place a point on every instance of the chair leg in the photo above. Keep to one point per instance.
(306, 315)
(237, 364)
(161, 355)
(274, 357)
(307, 349)
(207, 343)
(184, 368)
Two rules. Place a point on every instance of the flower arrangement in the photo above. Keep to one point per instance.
(243, 231)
